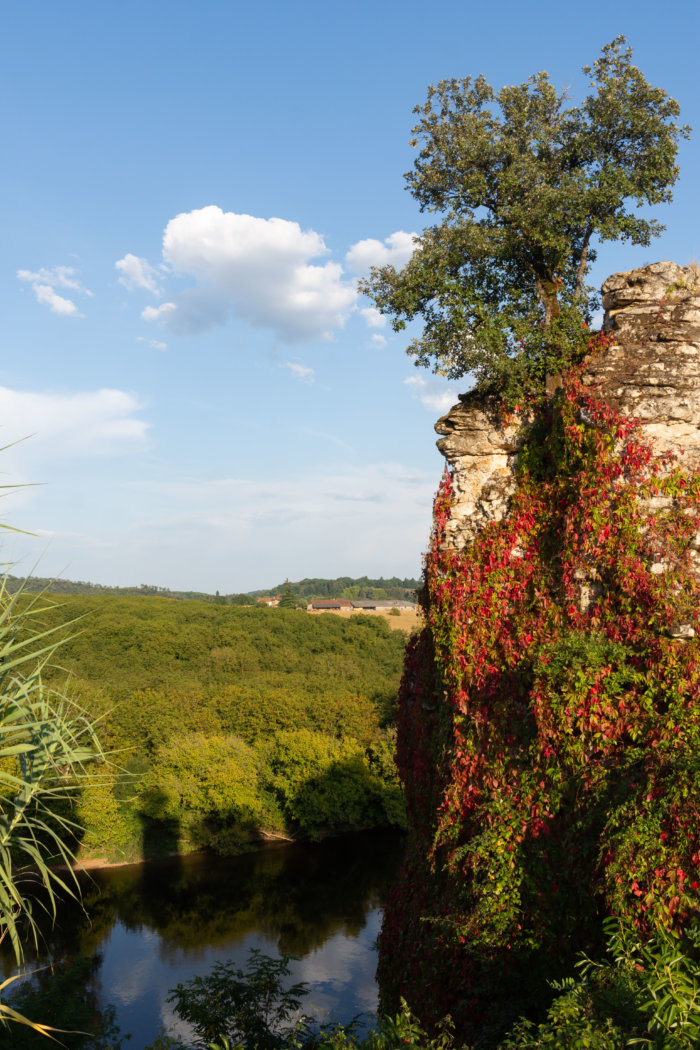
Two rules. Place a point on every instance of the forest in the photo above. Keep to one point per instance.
(225, 725)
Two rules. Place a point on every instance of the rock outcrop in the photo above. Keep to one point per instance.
(650, 372)
(549, 716)
(481, 453)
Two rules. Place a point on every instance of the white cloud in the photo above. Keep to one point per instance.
(60, 276)
(44, 283)
(58, 304)
(158, 313)
(270, 273)
(378, 341)
(396, 249)
(262, 270)
(436, 395)
(138, 273)
(57, 425)
(373, 318)
(155, 344)
(302, 372)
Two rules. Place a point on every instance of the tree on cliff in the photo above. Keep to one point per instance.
(524, 190)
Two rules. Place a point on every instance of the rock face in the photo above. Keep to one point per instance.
(481, 453)
(651, 372)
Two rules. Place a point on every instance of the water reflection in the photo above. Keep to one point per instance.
(157, 924)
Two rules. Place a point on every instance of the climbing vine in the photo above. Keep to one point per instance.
(548, 737)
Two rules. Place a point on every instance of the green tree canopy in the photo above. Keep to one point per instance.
(525, 185)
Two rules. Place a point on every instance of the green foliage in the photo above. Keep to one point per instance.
(45, 745)
(643, 994)
(639, 995)
(43, 585)
(252, 1006)
(325, 784)
(549, 726)
(208, 786)
(189, 692)
(99, 812)
(288, 599)
(525, 184)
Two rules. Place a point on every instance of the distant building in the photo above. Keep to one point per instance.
(382, 604)
(270, 602)
(361, 605)
(328, 604)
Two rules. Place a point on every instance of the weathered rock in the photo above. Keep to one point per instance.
(651, 372)
(481, 452)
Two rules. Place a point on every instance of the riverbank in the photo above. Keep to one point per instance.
(267, 840)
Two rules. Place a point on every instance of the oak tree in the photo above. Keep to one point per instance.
(525, 185)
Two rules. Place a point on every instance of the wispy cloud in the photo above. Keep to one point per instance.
(302, 372)
(155, 344)
(59, 425)
(44, 283)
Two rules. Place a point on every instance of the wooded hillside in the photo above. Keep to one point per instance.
(229, 722)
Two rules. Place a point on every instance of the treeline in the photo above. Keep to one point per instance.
(42, 584)
(227, 724)
(347, 587)
(342, 587)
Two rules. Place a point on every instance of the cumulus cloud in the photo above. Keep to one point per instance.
(396, 249)
(44, 283)
(436, 395)
(85, 423)
(265, 271)
(270, 273)
(159, 313)
(373, 318)
(138, 273)
(302, 372)
(378, 341)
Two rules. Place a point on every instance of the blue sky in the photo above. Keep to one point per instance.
(190, 191)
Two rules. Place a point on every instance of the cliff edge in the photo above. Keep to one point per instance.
(549, 722)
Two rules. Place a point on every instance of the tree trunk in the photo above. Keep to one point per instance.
(547, 289)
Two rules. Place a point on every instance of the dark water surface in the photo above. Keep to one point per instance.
(160, 923)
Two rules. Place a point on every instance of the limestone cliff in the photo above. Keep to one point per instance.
(549, 722)
(651, 371)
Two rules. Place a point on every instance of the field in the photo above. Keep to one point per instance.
(407, 619)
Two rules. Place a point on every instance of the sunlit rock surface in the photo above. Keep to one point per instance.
(651, 372)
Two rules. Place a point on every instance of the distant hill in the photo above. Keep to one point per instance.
(34, 584)
(342, 587)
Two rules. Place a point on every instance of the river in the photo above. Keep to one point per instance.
(153, 925)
